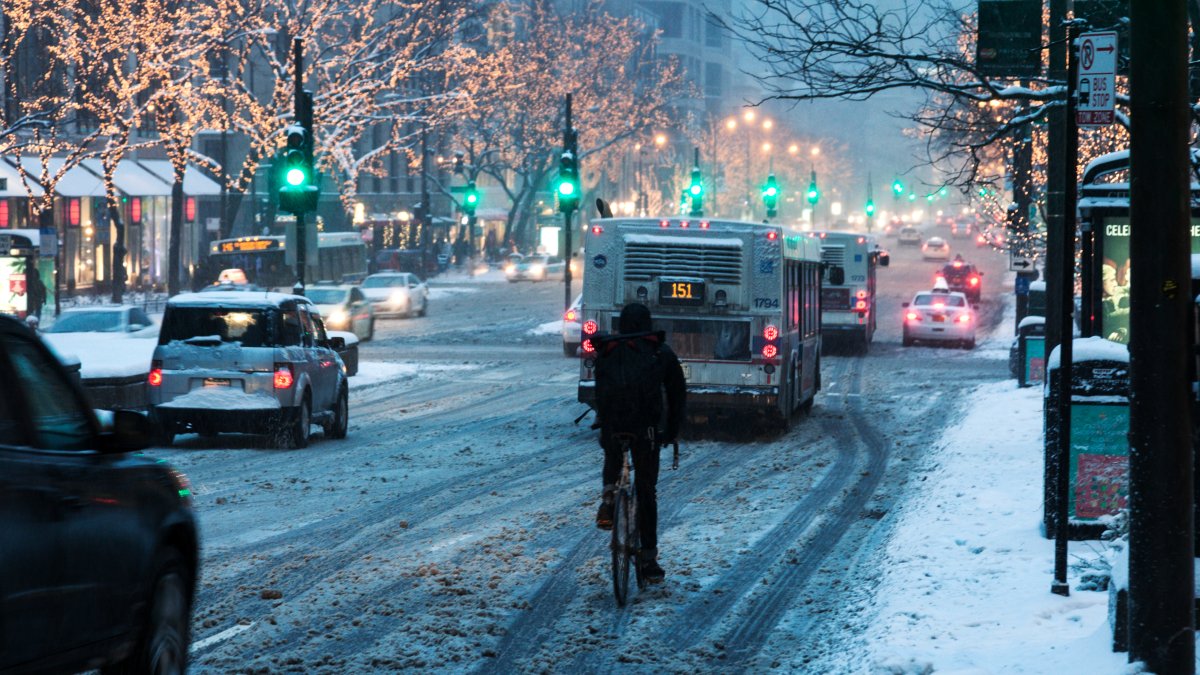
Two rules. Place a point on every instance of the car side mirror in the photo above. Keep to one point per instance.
(337, 343)
(131, 430)
(837, 275)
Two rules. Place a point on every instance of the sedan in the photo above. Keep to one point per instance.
(123, 319)
(396, 294)
(535, 268)
(100, 547)
(935, 248)
(909, 236)
(572, 327)
(344, 308)
(939, 315)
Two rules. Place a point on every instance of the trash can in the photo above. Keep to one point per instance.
(1031, 351)
(1098, 468)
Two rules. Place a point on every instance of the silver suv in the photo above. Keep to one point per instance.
(250, 363)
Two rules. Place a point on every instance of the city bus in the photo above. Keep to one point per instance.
(848, 293)
(341, 256)
(739, 303)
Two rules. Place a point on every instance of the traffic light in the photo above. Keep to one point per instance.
(897, 188)
(695, 193)
(298, 194)
(870, 207)
(814, 195)
(470, 199)
(770, 195)
(566, 186)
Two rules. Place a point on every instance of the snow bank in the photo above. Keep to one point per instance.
(104, 355)
(223, 398)
(443, 292)
(967, 581)
(376, 372)
(548, 328)
(485, 275)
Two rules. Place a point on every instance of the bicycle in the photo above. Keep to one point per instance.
(626, 539)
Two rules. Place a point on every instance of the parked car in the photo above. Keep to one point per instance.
(535, 268)
(935, 248)
(100, 550)
(939, 315)
(123, 319)
(396, 294)
(250, 363)
(909, 236)
(572, 327)
(344, 308)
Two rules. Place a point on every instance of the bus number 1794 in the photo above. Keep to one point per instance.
(767, 303)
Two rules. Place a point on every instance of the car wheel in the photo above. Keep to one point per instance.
(162, 646)
(341, 416)
(969, 344)
(295, 433)
(907, 340)
(570, 349)
(424, 308)
(371, 330)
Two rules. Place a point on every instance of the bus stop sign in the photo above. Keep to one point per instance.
(1096, 87)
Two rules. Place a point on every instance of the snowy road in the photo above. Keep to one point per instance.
(452, 529)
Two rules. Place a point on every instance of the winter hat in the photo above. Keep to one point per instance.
(635, 318)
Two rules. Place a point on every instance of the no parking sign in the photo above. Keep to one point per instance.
(1096, 87)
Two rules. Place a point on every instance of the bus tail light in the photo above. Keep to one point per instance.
(772, 235)
(770, 351)
(860, 305)
(588, 347)
(685, 224)
(596, 229)
(664, 223)
(861, 294)
(155, 378)
(590, 327)
(704, 224)
(771, 333)
(283, 376)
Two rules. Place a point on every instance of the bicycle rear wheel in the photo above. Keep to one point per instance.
(621, 546)
(635, 541)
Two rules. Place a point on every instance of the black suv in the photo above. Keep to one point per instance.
(98, 546)
(965, 278)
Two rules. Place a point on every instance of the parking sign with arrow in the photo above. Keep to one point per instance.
(1097, 79)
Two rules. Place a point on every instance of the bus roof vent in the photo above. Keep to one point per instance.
(834, 254)
(720, 264)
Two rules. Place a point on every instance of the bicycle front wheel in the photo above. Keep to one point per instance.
(621, 547)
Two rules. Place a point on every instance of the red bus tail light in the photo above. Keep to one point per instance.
(860, 305)
(283, 376)
(155, 378)
(588, 347)
(590, 327)
(771, 333)
(596, 229)
(770, 351)
(772, 235)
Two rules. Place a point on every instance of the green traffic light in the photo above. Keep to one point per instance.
(696, 190)
(472, 198)
(772, 191)
(566, 188)
(296, 177)
(912, 196)
(897, 187)
(870, 208)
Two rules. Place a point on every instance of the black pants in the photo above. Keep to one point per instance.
(645, 483)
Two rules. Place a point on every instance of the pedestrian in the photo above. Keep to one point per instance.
(633, 369)
(35, 289)
(460, 252)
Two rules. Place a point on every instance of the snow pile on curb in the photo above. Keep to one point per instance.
(371, 373)
(966, 586)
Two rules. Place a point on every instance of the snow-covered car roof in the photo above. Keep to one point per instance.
(233, 299)
(935, 241)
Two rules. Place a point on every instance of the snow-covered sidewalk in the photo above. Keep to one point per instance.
(967, 573)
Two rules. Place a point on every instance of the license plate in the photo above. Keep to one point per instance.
(938, 318)
(216, 382)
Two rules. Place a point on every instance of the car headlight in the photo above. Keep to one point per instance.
(338, 317)
(399, 297)
(509, 269)
(536, 270)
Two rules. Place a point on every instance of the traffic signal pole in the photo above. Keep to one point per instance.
(570, 145)
(301, 232)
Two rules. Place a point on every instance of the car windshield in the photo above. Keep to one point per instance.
(87, 322)
(930, 299)
(384, 282)
(326, 296)
(248, 326)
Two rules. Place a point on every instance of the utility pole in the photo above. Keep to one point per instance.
(1023, 199)
(1161, 546)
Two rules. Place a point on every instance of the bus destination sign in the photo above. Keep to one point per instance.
(689, 292)
(243, 245)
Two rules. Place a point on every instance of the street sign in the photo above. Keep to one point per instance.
(1097, 79)
(1010, 38)
(1019, 263)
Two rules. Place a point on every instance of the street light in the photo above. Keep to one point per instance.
(816, 150)
(660, 139)
(768, 124)
(748, 115)
(731, 124)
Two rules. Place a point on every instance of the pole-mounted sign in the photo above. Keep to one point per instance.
(1097, 79)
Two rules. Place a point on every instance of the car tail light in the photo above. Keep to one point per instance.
(771, 333)
(964, 318)
(155, 377)
(590, 327)
(588, 347)
(939, 305)
(957, 263)
(913, 316)
(570, 315)
(770, 351)
(862, 240)
(974, 281)
(283, 376)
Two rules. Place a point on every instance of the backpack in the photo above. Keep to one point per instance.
(629, 383)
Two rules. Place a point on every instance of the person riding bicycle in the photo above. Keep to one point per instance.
(633, 369)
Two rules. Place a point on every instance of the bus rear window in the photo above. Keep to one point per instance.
(705, 340)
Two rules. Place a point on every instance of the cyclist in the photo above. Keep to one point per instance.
(633, 369)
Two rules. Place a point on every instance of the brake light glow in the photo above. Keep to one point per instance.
(912, 316)
(596, 229)
(939, 305)
(772, 235)
(860, 294)
(964, 318)
(974, 281)
(958, 263)
(684, 224)
(590, 327)
(860, 305)
(571, 315)
(283, 376)
(862, 240)
(588, 347)
(155, 378)
(770, 351)
(704, 224)
(664, 223)
(771, 333)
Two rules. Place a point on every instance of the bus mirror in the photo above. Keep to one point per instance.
(884, 258)
(837, 275)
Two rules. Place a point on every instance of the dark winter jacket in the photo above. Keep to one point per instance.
(673, 381)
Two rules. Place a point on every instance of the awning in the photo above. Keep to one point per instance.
(76, 182)
(195, 183)
(131, 179)
(15, 188)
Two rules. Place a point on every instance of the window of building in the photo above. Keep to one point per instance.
(713, 76)
(713, 35)
(670, 17)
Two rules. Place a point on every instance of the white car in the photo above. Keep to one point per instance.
(935, 248)
(123, 319)
(535, 268)
(909, 236)
(396, 294)
(572, 327)
(939, 315)
(344, 308)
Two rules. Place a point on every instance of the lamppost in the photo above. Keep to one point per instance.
(749, 123)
